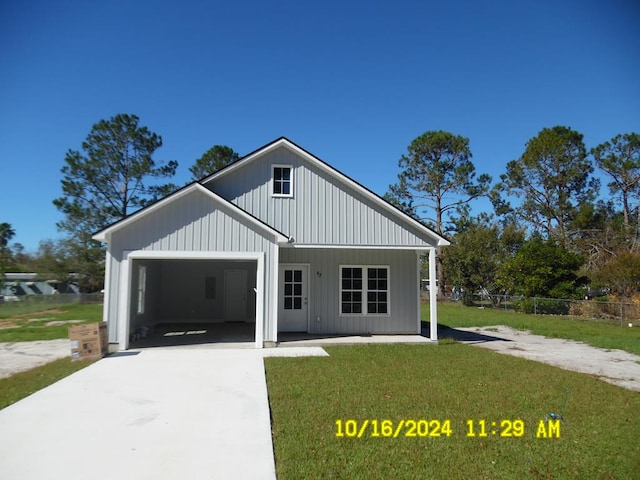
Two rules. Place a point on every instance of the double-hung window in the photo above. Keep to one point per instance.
(364, 290)
(282, 181)
(351, 292)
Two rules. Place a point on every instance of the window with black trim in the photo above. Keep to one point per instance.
(377, 290)
(364, 290)
(351, 293)
(282, 181)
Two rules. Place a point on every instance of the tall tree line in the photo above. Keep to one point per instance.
(551, 232)
(114, 173)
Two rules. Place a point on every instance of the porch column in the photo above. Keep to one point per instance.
(433, 296)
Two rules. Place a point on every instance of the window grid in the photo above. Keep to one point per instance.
(377, 288)
(282, 181)
(351, 295)
(293, 289)
(364, 290)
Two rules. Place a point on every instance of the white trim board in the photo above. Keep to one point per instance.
(359, 247)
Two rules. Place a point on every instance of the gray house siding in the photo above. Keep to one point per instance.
(322, 211)
(324, 289)
(191, 223)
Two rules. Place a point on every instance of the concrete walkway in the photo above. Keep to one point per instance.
(164, 413)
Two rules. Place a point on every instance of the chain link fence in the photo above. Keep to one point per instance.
(620, 313)
(16, 305)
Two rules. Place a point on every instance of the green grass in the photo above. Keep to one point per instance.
(23, 384)
(598, 334)
(600, 436)
(35, 303)
(27, 327)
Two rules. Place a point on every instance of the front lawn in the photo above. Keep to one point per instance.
(46, 324)
(23, 384)
(599, 437)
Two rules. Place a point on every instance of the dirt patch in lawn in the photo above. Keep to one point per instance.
(49, 311)
(614, 366)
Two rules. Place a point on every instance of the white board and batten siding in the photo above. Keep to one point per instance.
(194, 222)
(324, 287)
(323, 210)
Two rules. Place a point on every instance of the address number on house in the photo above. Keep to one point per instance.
(386, 428)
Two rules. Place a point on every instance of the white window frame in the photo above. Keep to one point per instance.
(365, 291)
(142, 289)
(273, 181)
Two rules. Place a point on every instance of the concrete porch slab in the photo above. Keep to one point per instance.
(306, 340)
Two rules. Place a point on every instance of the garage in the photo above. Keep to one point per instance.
(178, 302)
(192, 299)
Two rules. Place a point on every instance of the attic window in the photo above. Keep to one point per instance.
(282, 181)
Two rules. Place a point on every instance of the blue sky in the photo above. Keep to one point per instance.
(352, 82)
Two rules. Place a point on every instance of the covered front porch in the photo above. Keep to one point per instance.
(353, 292)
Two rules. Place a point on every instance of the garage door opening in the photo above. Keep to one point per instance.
(192, 301)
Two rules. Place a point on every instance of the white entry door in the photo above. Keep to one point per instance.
(293, 298)
(235, 295)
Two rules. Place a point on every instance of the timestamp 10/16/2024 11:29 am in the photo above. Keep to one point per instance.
(426, 428)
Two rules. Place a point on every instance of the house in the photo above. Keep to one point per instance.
(19, 285)
(279, 240)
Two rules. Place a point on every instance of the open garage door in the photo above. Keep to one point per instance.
(186, 301)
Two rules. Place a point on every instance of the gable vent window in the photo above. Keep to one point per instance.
(282, 181)
(364, 290)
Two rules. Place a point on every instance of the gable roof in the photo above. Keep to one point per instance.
(335, 173)
(103, 234)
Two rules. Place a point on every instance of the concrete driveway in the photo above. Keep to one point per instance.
(165, 413)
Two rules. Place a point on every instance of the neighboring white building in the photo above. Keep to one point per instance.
(17, 285)
(279, 239)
